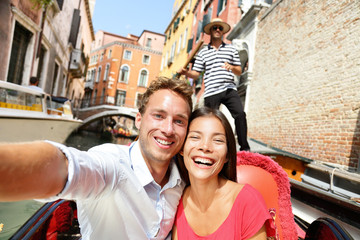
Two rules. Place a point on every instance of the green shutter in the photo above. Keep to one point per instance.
(189, 46)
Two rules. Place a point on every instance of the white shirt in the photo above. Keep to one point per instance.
(39, 89)
(116, 196)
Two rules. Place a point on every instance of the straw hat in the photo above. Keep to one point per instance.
(217, 22)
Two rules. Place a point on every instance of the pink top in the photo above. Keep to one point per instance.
(246, 217)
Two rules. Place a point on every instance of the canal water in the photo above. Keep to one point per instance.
(14, 214)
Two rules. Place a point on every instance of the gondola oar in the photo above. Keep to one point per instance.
(198, 46)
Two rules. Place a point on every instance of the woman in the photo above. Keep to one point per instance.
(213, 205)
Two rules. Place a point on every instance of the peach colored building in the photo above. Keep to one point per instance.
(121, 68)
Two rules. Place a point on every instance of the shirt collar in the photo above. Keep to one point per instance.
(142, 172)
(210, 46)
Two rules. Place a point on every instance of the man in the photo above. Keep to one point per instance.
(34, 82)
(122, 192)
(220, 61)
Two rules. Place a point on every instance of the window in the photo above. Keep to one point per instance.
(148, 42)
(162, 64)
(143, 78)
(199, 30)
(55, 77)
(166, 57)
(146, 59)
(109, 54)
(179, 46)
(102, 56)
(106, 74)
(127, 55)
(88, 76)
(41, 65)
(94, 98)
(102, 98)
(124, 74)
(172, 53)
(98, 75)
(19, 48)
(184, 39)
(120, 98)
(92, 75)
(176, 23)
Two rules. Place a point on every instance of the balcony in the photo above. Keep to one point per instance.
(77, 63)
(89, 84)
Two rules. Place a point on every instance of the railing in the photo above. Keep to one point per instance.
(98, 101)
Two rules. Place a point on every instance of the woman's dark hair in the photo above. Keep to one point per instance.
(229, 169)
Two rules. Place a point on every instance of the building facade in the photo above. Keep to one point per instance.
(42, 41)
(304, 92)
(121, 68)
(75, 88)
(178, 33)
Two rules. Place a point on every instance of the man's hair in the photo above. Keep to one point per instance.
(178, 86)
(33, 80)
(229, 169)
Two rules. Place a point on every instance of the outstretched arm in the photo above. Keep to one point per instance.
(189, 73)
(31, 170)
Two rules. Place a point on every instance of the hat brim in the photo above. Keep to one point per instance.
(226, 27)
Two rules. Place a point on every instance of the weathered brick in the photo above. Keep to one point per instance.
(305, 94)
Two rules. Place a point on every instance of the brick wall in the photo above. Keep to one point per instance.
(305, 94)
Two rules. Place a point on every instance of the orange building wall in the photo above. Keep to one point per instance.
(135, 65)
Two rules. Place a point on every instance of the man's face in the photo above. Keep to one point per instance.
(217, 31)
(162, 127)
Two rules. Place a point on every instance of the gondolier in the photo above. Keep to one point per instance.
(220, 61)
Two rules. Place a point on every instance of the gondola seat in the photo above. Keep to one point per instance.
(272, 182)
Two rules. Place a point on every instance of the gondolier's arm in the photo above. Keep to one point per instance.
(31, 170)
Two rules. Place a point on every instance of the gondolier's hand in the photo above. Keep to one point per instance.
(182, 71)
(235, 69)
(228, 66)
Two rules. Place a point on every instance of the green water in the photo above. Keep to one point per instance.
(14, 214)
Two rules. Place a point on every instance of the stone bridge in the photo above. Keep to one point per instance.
(94, 113)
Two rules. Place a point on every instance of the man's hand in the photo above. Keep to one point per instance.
(189, 73)
(228, 66)
(231, 68)
(182, 71)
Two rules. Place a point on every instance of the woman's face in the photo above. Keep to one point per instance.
(205, 148)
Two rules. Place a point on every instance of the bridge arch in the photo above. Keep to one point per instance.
(120, 111)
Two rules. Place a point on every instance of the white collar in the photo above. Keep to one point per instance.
(142, 172)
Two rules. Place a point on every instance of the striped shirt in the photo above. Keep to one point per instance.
(217, 79)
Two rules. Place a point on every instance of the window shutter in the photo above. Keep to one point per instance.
(220, 5)
(206, 20)
(60, 3)
(189, 46)
(75, 27)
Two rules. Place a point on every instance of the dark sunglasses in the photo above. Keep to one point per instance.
(214, 28)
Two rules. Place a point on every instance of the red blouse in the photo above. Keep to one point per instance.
(246, 217)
